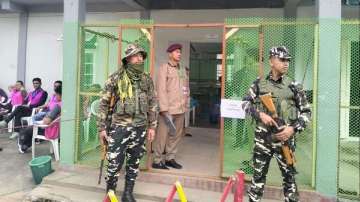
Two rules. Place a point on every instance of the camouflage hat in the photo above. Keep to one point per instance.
(133, 49)
(280, 52)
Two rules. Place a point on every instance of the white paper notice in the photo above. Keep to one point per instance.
(232, 109)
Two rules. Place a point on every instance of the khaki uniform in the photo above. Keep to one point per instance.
(173, 93)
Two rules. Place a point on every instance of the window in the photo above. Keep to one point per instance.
(88, 68)
(89, 59)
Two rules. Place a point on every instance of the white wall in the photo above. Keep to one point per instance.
(9, 28)
(44, 50)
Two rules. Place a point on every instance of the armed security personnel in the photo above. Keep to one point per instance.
(292, 107)
(134, 115)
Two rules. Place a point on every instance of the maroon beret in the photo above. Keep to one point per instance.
(173, 47)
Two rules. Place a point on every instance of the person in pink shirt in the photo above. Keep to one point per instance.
(17, 96)
(17, 93)
(49, 105)
(34, 99)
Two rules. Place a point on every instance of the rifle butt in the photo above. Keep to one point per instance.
(289, 157)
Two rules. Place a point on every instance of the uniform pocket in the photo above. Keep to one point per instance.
(129, 106)
(292, 112)
(172, 83)
(119, 107)
(143, 103)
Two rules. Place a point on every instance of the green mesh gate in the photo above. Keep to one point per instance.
(99, 57)
(247, 42)
(349, 147)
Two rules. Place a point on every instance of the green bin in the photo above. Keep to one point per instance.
(40, 167)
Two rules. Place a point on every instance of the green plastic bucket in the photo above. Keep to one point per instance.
(40, 167)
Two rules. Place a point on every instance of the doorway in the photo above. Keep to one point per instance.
(205, 83)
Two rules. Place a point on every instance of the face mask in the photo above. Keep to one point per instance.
(137, 67)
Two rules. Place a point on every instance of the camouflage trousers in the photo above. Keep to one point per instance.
(263, 152)
(124, 142)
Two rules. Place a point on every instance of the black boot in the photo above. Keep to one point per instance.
(128, 192)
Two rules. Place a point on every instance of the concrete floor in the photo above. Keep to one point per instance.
(349, 167)
(80, 184)
(15, 174)
(199, 154)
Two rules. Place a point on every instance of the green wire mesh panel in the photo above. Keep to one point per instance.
(242, 58)
(349, 151)
(298, 37)
(241, 70)
(98, 59)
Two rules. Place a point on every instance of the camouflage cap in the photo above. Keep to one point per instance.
(280, 52)
(133, 49)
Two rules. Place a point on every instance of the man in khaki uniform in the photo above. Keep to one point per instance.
(173, 91)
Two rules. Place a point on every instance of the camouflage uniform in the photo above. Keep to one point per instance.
(291, 105)
(132, 115)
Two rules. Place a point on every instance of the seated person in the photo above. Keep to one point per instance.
(42, 110)
(35, 98)
(24, 140)
(17, 96)
(3, 101)
(3, 96)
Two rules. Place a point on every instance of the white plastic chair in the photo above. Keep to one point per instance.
(28, 119)
(54, 142)
(86, 123)
(11, 122)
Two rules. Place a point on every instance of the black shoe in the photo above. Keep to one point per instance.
(128, 192)
(188, 135)
(172, 163)
(160, 165)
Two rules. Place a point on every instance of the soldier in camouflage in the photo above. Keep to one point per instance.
(134, 115)
(292, 107)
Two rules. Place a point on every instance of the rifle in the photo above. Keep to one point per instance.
(104, 146)
(267, 101)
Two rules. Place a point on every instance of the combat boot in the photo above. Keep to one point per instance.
(128, 192)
